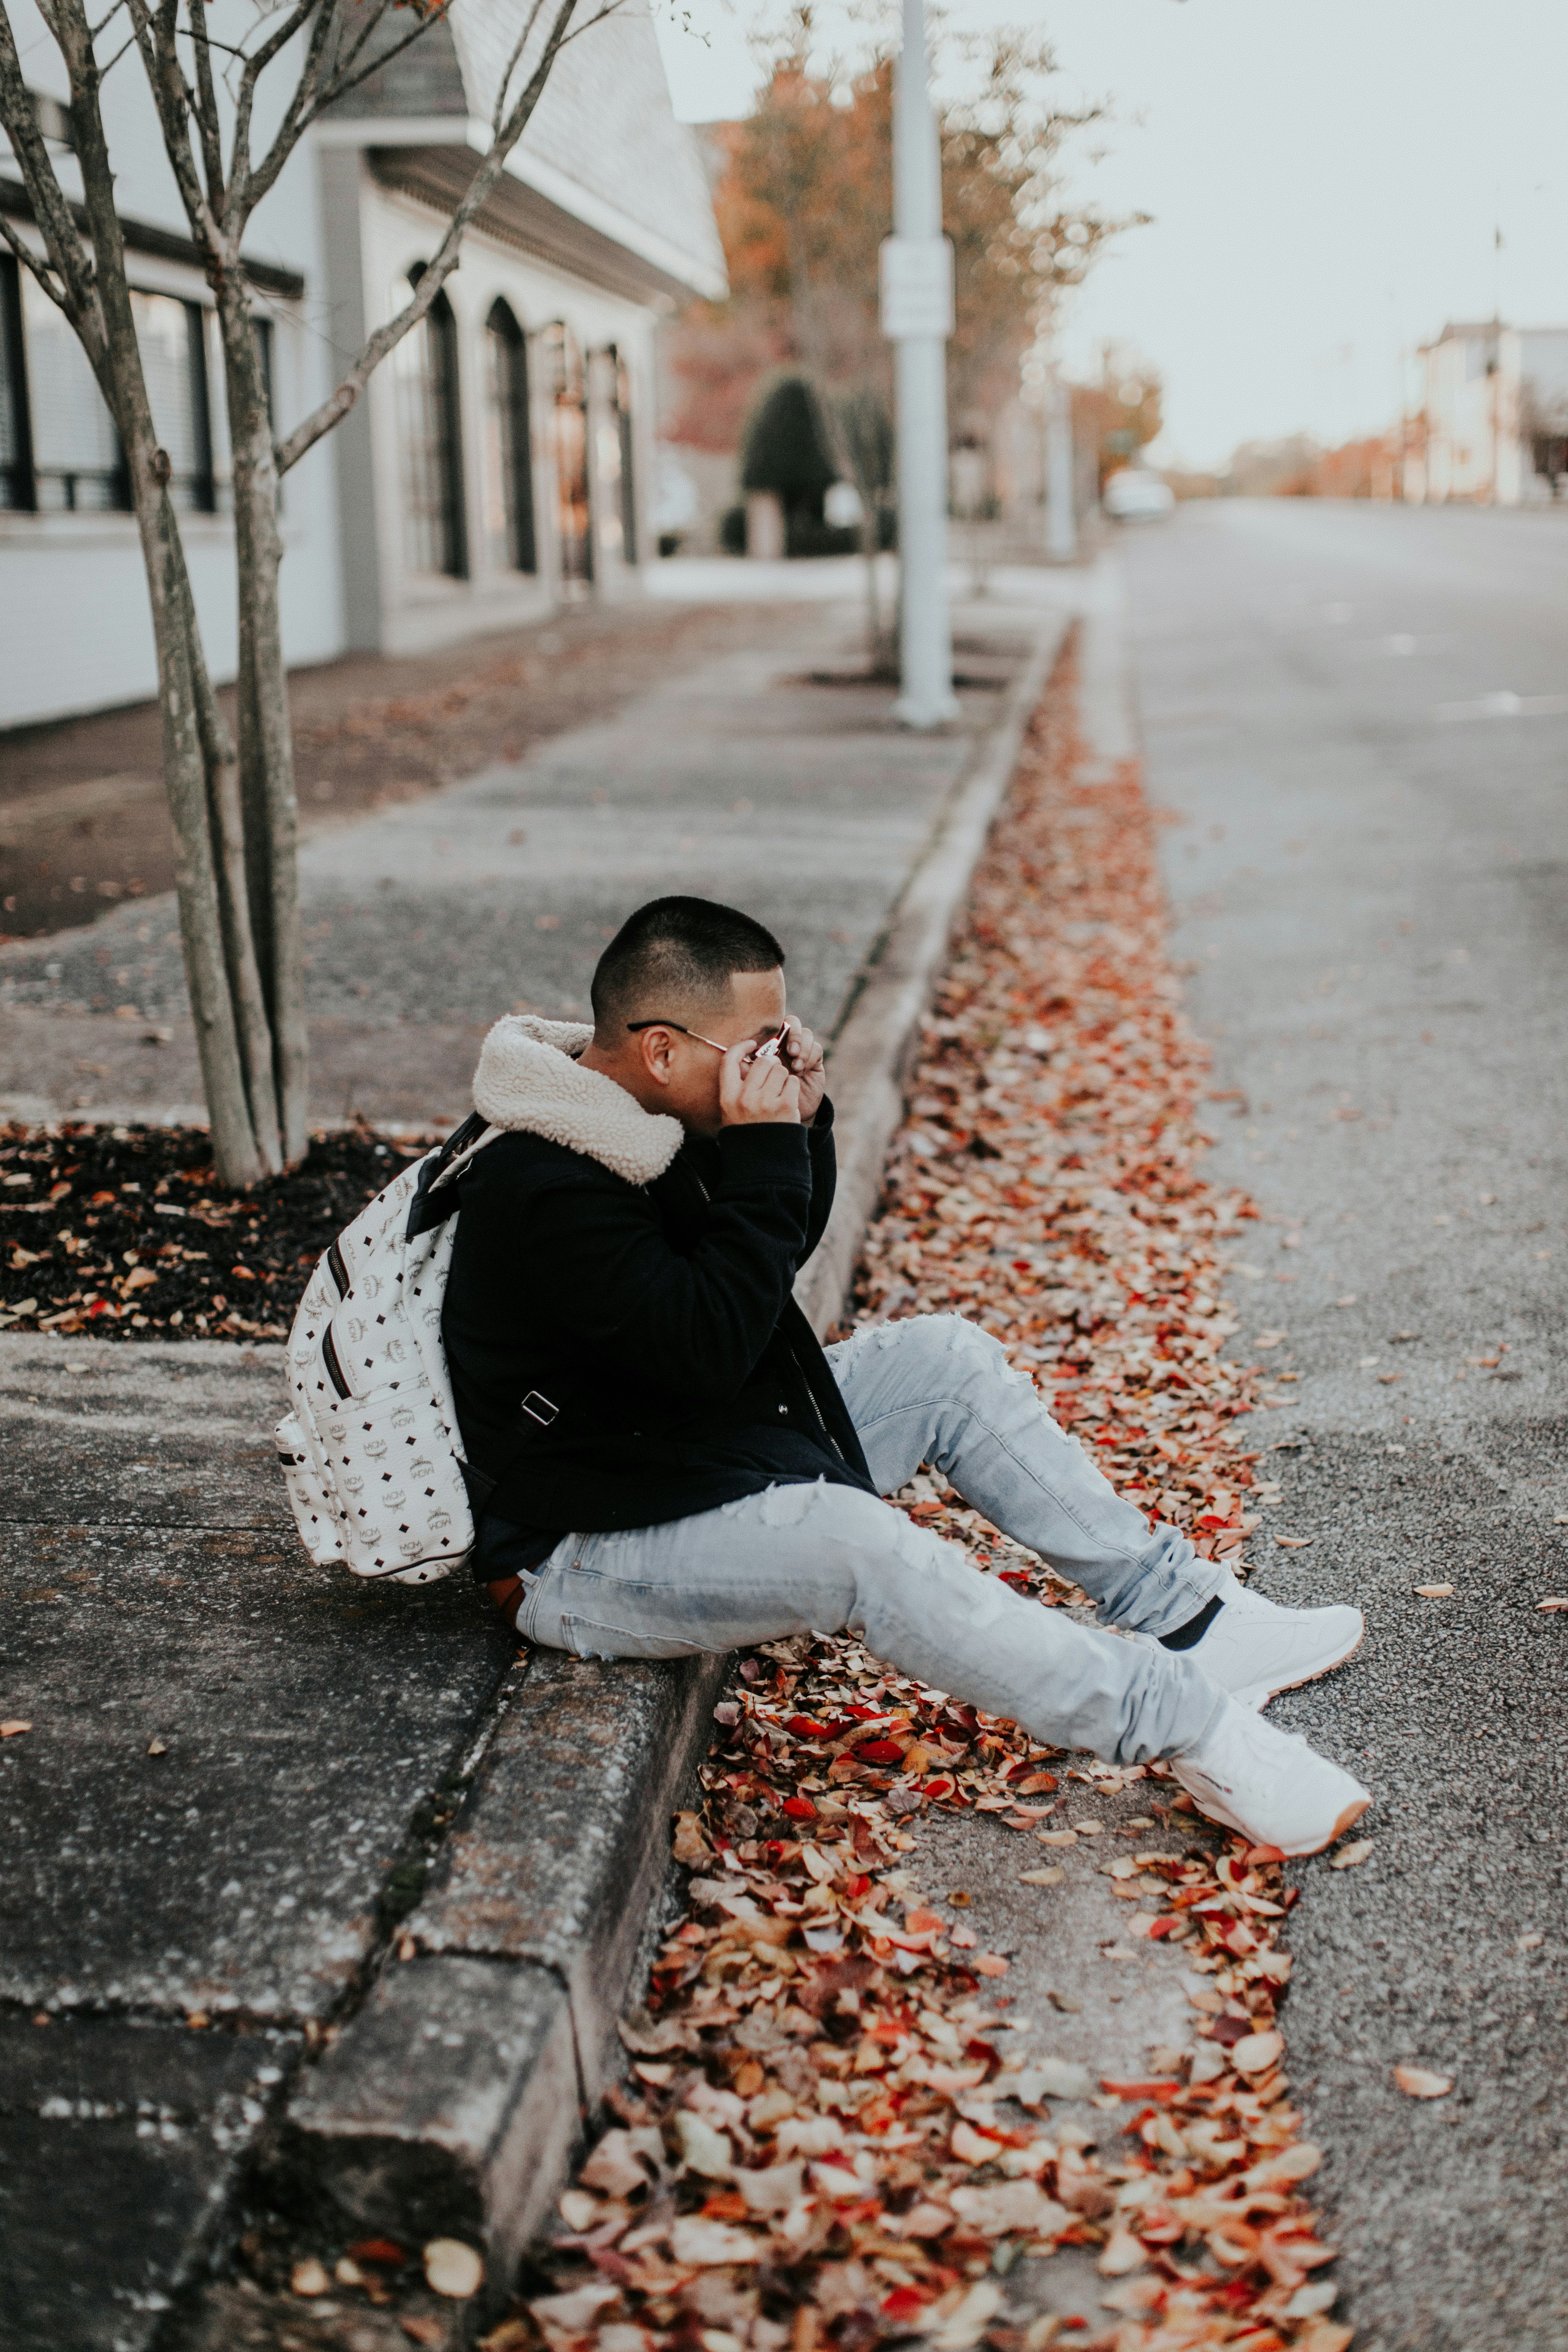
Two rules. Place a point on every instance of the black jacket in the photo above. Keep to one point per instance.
(652, 1330)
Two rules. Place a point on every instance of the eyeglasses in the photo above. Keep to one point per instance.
(764, 1052)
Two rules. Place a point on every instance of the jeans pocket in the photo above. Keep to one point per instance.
(588, 1640)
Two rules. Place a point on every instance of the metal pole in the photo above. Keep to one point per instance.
(1061, 524)
(917, 315)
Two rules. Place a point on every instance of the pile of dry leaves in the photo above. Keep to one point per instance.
(826, 2142)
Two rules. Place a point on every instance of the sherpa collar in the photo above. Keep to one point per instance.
(528, 1079)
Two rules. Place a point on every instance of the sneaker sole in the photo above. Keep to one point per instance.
(1352, 1812)
(1256, 1696)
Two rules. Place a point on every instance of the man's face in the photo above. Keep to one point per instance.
(688, 1066)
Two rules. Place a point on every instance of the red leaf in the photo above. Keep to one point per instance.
(879, 1751)
(800, 1808)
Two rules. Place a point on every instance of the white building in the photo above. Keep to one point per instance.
(1495, 415)
(501, 461)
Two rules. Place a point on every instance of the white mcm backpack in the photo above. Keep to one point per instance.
(370, 1446)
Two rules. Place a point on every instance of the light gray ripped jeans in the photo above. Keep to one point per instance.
(936, 1389)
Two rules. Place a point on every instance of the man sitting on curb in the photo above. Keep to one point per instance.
(678, 1467)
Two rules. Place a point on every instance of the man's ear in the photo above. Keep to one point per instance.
(656, 1054)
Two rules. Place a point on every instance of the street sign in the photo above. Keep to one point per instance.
(916, 287)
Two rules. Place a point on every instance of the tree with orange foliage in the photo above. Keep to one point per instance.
(803, 201)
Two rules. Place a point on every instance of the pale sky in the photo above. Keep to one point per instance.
(1326, 178)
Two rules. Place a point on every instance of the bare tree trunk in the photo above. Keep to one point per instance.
(226, 831)
(183, 686)
(202, 931)
(268, 798)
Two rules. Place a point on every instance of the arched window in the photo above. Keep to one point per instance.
(425, 365)
(569, 392)
(623, 434)
(509, 453)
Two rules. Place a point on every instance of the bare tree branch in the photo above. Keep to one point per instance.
(41, 268)
(385, 339)
(63, 241)
(175, 102)
(498, 109)
(255, 66)
(209, 124)
(342, 81)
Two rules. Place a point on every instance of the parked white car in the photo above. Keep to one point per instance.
(1135, 495)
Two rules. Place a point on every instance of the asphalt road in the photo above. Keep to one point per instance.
(1357, 718)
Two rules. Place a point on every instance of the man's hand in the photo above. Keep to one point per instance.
(803, 1054)
(753, 1093)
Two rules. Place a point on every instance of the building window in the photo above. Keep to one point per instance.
(425, 365)
(569, 413)
(16, 438)
(78, 466)
(171, 339)
(508, 454)
(622, 417)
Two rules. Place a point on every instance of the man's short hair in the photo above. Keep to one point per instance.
(676, 955)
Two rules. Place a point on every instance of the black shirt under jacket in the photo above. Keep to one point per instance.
(660, 1322)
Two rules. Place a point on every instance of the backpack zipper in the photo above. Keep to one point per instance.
(337, 1269)
(334, 1369)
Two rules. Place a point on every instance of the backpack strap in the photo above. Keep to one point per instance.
(440, 1171)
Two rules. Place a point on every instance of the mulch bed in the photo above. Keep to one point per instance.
(124, 1232)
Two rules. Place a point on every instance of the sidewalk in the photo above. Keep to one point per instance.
(238, 1775)
(425, 920)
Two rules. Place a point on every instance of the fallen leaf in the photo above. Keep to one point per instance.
(1436, 1591)
(691, 1848)
(157, 1747)
(453, 2269)
(310, 2277)
(1294, 1543)
(1552, 1600)
(707, 2151)
(1255, 2053)
(572, 2314)
(1349, 1856)
(972, 2147)
(1417, 2084)
(615, 2167)
(965, 2326)
(706, 2244)
(420, 2328)
(1120, 2253)
(990, 1964)
(1050, 1877)
(13, 1728)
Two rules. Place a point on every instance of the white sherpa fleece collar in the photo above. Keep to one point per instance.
(527, 1079)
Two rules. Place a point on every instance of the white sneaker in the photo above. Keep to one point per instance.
(1270, 1784)
(1254, 1648)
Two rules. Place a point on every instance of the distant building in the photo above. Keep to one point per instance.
(1495, 416)
(501, 460)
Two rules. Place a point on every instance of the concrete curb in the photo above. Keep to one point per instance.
(871, 1055)
(452, 2102)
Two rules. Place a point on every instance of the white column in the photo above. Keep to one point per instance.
(1061, 526)
(917, 315)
